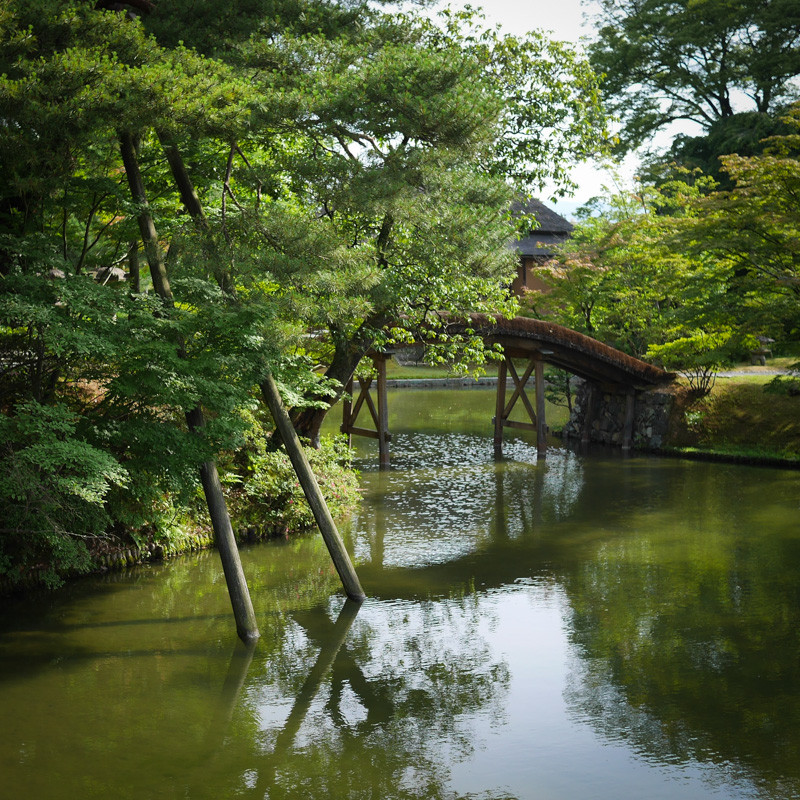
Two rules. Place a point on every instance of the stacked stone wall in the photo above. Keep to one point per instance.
(651, 419)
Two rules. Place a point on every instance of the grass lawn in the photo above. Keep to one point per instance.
(395, 371)
(739, 417)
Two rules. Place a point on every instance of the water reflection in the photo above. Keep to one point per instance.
(588, 627)
(379, 708)
(688, 646)
(452, 498)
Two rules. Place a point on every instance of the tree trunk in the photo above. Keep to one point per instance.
(147, 228)
(191, 202)
(269, 391)
(346, 357)
(243, 611)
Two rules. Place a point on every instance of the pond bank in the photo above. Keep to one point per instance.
(737, 423)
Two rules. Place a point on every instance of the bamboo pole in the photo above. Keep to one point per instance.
(308, 481)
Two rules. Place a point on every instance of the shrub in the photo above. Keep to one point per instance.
(698, 357)
(52, 490)
(784, 385)
(266, 495)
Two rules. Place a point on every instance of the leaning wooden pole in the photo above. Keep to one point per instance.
(242, 604)
(327, 527)
(243, 612)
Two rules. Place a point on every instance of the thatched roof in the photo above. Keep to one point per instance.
(552, 230)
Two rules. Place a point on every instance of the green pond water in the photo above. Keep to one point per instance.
(590, 626)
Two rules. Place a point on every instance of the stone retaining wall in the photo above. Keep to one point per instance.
(651, 419)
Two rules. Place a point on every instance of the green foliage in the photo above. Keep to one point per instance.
(698, 357)
(669, 60)
(783, 385)
(53, 485)
(688, 274)
(215, 29)
(307, 166)
(268, 497)
(558, 387)
(753, 229)
(620, 279)
(742, 133)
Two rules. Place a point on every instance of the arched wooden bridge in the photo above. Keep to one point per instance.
(538, 343)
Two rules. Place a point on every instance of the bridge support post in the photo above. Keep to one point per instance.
(383, 410)
(588, 417)
(541, 426)
(503, 409)
(627, 429)
(500, 404)
(380, 415)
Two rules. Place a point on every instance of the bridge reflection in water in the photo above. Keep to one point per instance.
(536, 343)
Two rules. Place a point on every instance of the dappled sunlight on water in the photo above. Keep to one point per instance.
(450, 495)
(580, 626)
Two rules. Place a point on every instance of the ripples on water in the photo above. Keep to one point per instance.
(575, 627)
(447, 492)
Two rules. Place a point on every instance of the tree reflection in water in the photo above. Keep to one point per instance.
(670, 590)
(688, 647)
(383, 709)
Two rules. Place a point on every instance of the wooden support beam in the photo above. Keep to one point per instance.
(379, 414)
(588, 417)
(308, 481)
(503, 409)
(523, 426)
(500, 405)
(627, 430)
(366, 397)
(383, 411)
(367, 433)
(541, 426)
(519, 391)
(348, 424)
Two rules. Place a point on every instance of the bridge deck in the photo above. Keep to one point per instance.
(562, 347)
(538, 342)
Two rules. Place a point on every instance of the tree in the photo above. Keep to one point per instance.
(691, 274)
(754, 229)
(405, 147)
(617, 278)
(671, 60)
(631, 278)
(336, 177)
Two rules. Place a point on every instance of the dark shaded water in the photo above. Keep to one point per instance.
(588, 627)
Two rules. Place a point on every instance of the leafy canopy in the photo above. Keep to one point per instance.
(696, 60)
